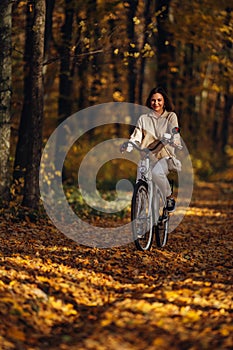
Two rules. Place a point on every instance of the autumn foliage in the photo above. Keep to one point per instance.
(55, 294)
(58, 58)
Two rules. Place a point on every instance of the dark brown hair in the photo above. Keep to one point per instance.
(167, 101)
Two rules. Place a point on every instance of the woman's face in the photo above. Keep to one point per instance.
(157, 103)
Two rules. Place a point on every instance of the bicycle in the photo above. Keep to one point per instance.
(148, 221)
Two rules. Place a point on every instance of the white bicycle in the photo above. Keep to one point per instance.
(147, 220)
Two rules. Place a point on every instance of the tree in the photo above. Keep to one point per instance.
(204, 74)
(65, 82)
(117, 50)
(228, 95)
(131, 6)
(21, 153)
(31, 187)
(145, 53)
(163, 42)
(5, 95)
(48, 25)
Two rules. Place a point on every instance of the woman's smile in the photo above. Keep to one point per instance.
(157, 103)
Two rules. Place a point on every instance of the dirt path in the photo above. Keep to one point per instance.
(57, 295)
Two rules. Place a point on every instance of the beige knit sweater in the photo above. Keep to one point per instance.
(150, 128)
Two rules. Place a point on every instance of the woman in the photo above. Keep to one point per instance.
(149, 130)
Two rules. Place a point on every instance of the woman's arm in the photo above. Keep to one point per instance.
(173, 123)
(137, 134)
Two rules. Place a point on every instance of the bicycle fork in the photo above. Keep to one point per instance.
(151, 206)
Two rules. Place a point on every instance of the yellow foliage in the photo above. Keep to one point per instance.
(15, 333)
(117, 96)
(83, 297)
(136, 20)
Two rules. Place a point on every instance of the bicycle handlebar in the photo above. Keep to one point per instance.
(125, 145)
(175, 130)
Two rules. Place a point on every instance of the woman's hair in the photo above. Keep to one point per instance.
(168, 105)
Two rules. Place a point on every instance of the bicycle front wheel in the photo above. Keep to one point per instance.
(161, 229)
(141, 216)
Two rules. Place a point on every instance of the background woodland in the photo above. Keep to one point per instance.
(58, 57)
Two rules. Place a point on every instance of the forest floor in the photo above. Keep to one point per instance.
(55, 294)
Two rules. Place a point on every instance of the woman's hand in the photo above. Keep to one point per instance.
(126, 147)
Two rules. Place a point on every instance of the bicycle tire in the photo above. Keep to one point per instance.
(161, 229)
(141, 222)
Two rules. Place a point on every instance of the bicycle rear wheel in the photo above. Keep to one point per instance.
(141, 216)
(161, 229)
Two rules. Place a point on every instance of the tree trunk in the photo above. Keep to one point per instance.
(31, 188)
(48, 26)
(114, 58)
(5, 95)
(147, 18)
(65, 83)
(228, 96)
(163, 42)
(96, 66)
(227, 117)
(132, 76)
(22, 148)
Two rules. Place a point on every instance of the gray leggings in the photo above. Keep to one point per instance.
(159, 177)
(161, 183)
